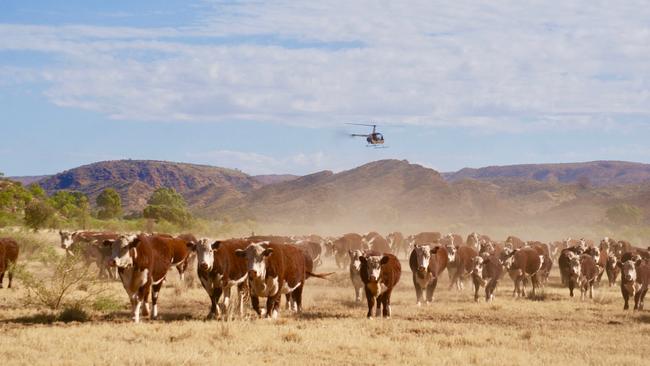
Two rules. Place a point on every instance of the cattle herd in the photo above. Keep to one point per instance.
(272, 266)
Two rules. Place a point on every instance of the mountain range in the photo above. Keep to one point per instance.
(384, 193)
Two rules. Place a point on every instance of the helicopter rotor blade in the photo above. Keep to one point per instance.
(361, 124)
(358, 135)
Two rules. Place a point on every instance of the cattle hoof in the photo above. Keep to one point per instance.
(211, 316)
(419, 304)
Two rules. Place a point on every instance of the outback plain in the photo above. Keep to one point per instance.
(550, 328)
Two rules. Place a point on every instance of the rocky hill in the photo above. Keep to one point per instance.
(597, 173)
(135, 180)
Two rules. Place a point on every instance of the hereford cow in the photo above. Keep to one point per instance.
(8, 257)
(376, 243)
(564, 264)
(588, 274)
(543, 250)
(427, 263)
(89, 245)
(313, 250)
(643, 280)
(629, 286)
(486, 271)
(219, 269)
(523, 264)
(398, 243)
(423, 238)
(612, 269)
(341, 246)
(273, 270)
(461, 266)
(514, 242)
(380, 274)
(142, 262)
(355, 272)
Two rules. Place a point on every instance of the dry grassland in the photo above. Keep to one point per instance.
(333, 330)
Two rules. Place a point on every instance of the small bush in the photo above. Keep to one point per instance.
(74, 313)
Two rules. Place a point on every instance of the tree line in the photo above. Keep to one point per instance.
(32, 207)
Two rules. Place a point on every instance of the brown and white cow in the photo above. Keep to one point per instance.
(341, 246)
(273, 270)
(588, 274)
(313, 250)
(612, 269)
(515, 242)
(423, 238)
(547, 265)
(380, 274)
(398, 243)
(487, 270)
(643, 280)
(8, 256)
(219, 269)
(460, 266)
(373, 241)
(142, 262)
(629, 285)
(355, 273)
(566, 267)
(427, 263)
(88, 244)
(523, 264)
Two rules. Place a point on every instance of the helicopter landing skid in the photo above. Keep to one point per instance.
(378, 147)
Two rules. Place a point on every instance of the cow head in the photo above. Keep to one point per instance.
(66, 239)
(205, 253)
(477, 267)
(423, 254)
(485, 246)
(123, 250)
(451, 252)
(604, 245)
(574, 264)
(508, 257)
(582, 243)
(593, 252)
(628, 271)
(373, 266)
(329, 248)
(256, 255)
(355, 262)
(473, 240)
(612, 261)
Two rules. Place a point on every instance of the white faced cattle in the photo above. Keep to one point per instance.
(219, 269)
(142, 262)
(486, 271)
(380, 274)
(273, 270)
(426, 263)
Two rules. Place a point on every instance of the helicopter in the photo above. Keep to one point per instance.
(374, 139)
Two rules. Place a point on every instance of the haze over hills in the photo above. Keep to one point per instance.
(598, 173)
(378, 195)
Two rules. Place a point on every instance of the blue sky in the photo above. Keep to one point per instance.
(266, 87)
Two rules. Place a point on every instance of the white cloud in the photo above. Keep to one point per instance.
(498, 66)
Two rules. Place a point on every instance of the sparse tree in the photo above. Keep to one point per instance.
(37, 214)
(110, 204)
(36, 190)
(166, 204)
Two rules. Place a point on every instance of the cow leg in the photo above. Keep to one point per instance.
(431, 288)
(215, 309)
(297, 298)
(255, 303)
(357, 294)
(380, 302)
(371, 302)
(154, 299)
(225, 304)
(146, 290)
(477, 286)
(386, 300)
(240, 291)
(2, 276)
(11, 277)
(489, 290)
(418, 290)
(535, 283)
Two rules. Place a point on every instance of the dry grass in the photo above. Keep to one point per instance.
(554, 330)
